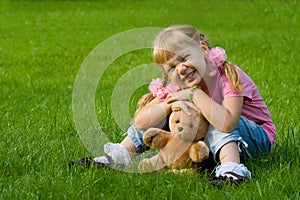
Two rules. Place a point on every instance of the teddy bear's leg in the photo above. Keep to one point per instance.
(156, 138)
(199, 152)
(154, 163)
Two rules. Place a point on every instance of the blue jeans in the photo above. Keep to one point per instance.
(136, 137)
(251, 138)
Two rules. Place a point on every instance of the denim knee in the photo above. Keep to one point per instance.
(215, 140)
(250, 137)
(255, 136)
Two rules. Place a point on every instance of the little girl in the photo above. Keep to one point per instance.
(227, 97)
(239, 120)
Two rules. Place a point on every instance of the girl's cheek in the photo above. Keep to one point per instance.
(200, 66)
(178, 82)
(174, 77)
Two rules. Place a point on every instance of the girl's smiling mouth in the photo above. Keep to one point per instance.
(189, 75)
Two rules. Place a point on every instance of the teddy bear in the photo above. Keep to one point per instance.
(180, 148)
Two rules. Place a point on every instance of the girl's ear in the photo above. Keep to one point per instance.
(205, 46)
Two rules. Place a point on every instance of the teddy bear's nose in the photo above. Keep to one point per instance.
(180, 129)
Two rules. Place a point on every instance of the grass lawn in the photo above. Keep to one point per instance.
(42, 47)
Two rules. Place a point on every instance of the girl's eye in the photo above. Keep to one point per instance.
(171, 68)
(184, 58)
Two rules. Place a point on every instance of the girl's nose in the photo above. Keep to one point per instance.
(181, 69)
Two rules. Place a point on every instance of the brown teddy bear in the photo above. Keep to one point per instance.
(181, 148)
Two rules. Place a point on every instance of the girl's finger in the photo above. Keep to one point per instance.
(171, 98)
(185, 108)
(168, 99)
(193, 106)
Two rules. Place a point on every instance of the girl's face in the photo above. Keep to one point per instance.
(187, 67)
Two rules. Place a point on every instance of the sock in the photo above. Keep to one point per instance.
(239, 169)
(117, 152)
(101, 159)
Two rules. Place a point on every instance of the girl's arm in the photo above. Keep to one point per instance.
(223, 117)
(152, 114)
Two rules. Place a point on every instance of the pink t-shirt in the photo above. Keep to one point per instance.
(254, 108)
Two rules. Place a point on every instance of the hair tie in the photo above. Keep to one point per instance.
(158, 90)
(217, 56)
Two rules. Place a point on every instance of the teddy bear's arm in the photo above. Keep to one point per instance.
(156, 138)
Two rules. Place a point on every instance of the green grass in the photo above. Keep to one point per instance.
(42, 46)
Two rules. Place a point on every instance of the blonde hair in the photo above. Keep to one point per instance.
(233, 76)
(173, 39)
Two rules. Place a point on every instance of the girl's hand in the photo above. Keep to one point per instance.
(182, 95)
(185, 106)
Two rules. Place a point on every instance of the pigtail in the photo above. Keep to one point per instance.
(233, 76)
(165, 79)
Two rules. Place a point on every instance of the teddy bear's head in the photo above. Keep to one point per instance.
(187, 127)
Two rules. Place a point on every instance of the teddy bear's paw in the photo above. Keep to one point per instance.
(199, 152)
(151, 164)
(154, 138)
(189, 171)
(145, 165)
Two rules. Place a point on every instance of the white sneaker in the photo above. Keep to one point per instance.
(233, 170)
(231, 173)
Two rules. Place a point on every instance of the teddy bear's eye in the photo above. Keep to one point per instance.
(177, 121)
